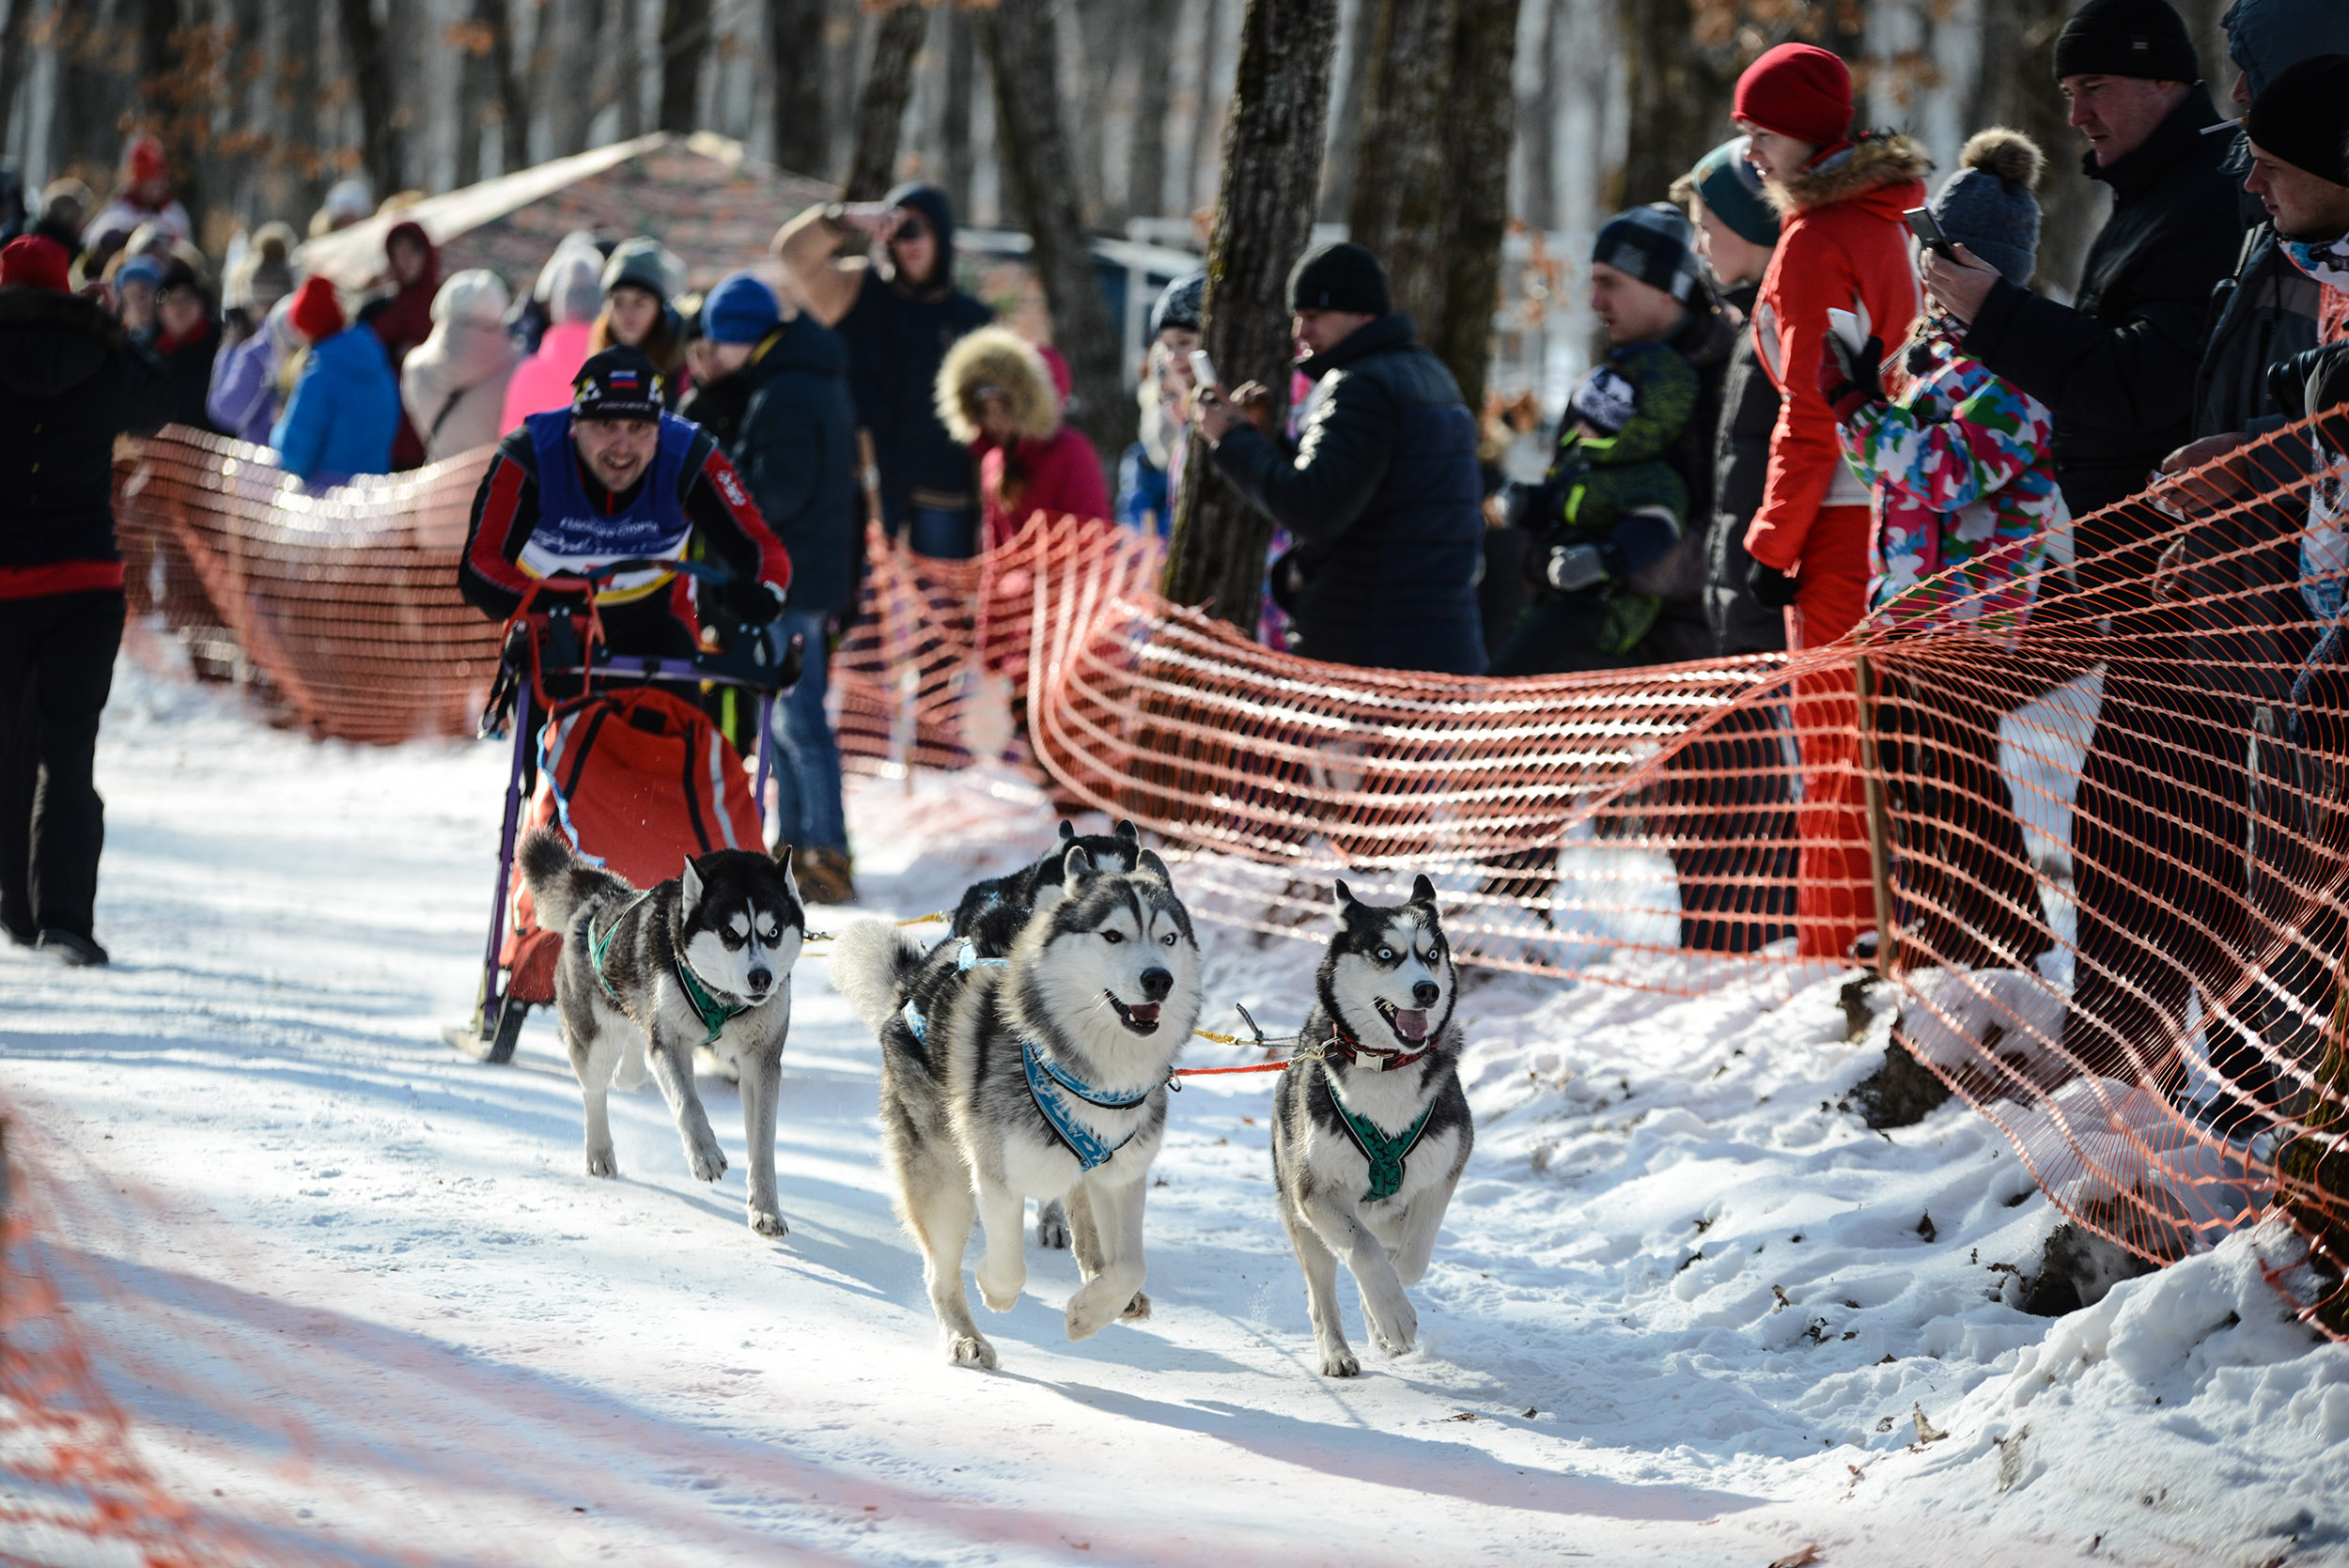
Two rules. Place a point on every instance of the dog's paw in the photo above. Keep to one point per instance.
(1096, 1306)
(767, 1222)
(1000, 1288)
(1395, 1327)
(968, 1350)
(1136, 1310)
(709, 1161)
(1339, 1362)
(1051, 1226)
(602, 1162)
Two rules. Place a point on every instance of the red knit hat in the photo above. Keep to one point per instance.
(34, 262)
(317, 315)
(143, 159)
(1799, 90)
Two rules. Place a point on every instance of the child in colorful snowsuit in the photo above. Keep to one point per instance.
(1610, 506)
(1964, 499)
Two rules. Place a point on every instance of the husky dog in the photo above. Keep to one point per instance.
(992, 913)
(704, 958)
(1370, 1128)
(1041, 1077)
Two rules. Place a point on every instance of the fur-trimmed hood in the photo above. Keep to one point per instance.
(1877, 159)
(997, 357)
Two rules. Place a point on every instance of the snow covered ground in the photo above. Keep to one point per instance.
(362, 1298)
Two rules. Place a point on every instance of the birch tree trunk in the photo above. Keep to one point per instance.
(880, 103)
(1264, 217)
(1018, 35)
(795, 47)
(1479, 124)
(14, 44)
(1401, 205)
(962, 73)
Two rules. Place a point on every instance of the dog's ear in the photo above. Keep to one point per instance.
(1422, 890)
(1149, 864)
(1067, 830)
(783, 859)
(691, 882)
(1128, 835)
(1344, 898)
(1076, 867)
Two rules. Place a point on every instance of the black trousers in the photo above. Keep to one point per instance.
(2158, 838)
(1729, 802)
(1968, 894)
(56, 666)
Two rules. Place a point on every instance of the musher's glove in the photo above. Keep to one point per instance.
(1772, 589)
(1850, 381)
(1574, 567)
(751, 601)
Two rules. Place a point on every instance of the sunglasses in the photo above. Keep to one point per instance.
(910, 229)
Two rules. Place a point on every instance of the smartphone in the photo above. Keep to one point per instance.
(1920, 223)
(1203, 372)
(1848, 328)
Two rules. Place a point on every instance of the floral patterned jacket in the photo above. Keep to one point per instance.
(1964, 493)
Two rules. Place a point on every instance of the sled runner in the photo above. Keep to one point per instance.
(626, 765)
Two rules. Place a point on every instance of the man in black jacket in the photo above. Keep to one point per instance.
(2118, 365)
(795, 448)
(69, 385)
(1382, 494)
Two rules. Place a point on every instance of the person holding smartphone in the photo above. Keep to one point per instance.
(881, 274)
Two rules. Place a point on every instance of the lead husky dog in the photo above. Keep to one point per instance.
(991, 914)
(1042, 1076)
(1370, 1130)
(703, 959)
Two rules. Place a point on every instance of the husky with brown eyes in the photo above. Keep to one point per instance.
(1370, 1126)
(1041, 1075)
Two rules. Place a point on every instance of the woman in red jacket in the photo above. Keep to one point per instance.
(1000, 396)
(1842, 245)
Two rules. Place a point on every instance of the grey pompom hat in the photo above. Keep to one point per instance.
(1987, 205)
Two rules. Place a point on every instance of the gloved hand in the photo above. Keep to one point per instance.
(1573, 568)
(751, 601)
(1772, 589)
(1850, 381)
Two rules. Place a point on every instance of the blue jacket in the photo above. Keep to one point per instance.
(796, 451)
(1142, 504)
(344, 410)
(1385, 500)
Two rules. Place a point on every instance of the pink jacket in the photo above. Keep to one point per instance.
(543, 381)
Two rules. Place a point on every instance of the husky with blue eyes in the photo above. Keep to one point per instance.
(703, 960)
(1042, 1075)
(1370, 1126)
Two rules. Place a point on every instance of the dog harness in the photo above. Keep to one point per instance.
(714, 1015)
(1046, 1081)
(1386, 1155)
(964, 962)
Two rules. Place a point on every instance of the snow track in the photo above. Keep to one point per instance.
(361, 1295)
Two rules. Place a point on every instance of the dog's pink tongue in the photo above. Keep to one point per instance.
(1411, 1022)
(1146, 1012)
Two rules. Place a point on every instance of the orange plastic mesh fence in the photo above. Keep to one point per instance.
(2111, 842)
(342, 601)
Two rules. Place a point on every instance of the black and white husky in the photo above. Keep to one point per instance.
(703, 959)
(1043, 1075)
(1370, 1126)
(992, 913)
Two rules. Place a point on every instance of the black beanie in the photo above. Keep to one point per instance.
(1340, 275)
(2303, 117)
(2144, 39)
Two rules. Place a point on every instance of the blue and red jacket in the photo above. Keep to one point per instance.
(540, 514)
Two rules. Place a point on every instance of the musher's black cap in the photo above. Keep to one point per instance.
(618, 384)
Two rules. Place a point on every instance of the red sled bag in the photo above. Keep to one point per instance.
(637, 780)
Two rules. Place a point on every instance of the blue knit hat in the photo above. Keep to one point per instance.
(1987, 207)
(741, 309)
(1731, 189)
(1653, 244)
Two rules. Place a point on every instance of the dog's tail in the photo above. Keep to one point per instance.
(870, 960)
(560, 884)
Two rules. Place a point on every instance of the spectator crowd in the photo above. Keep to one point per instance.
(1833, 390)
